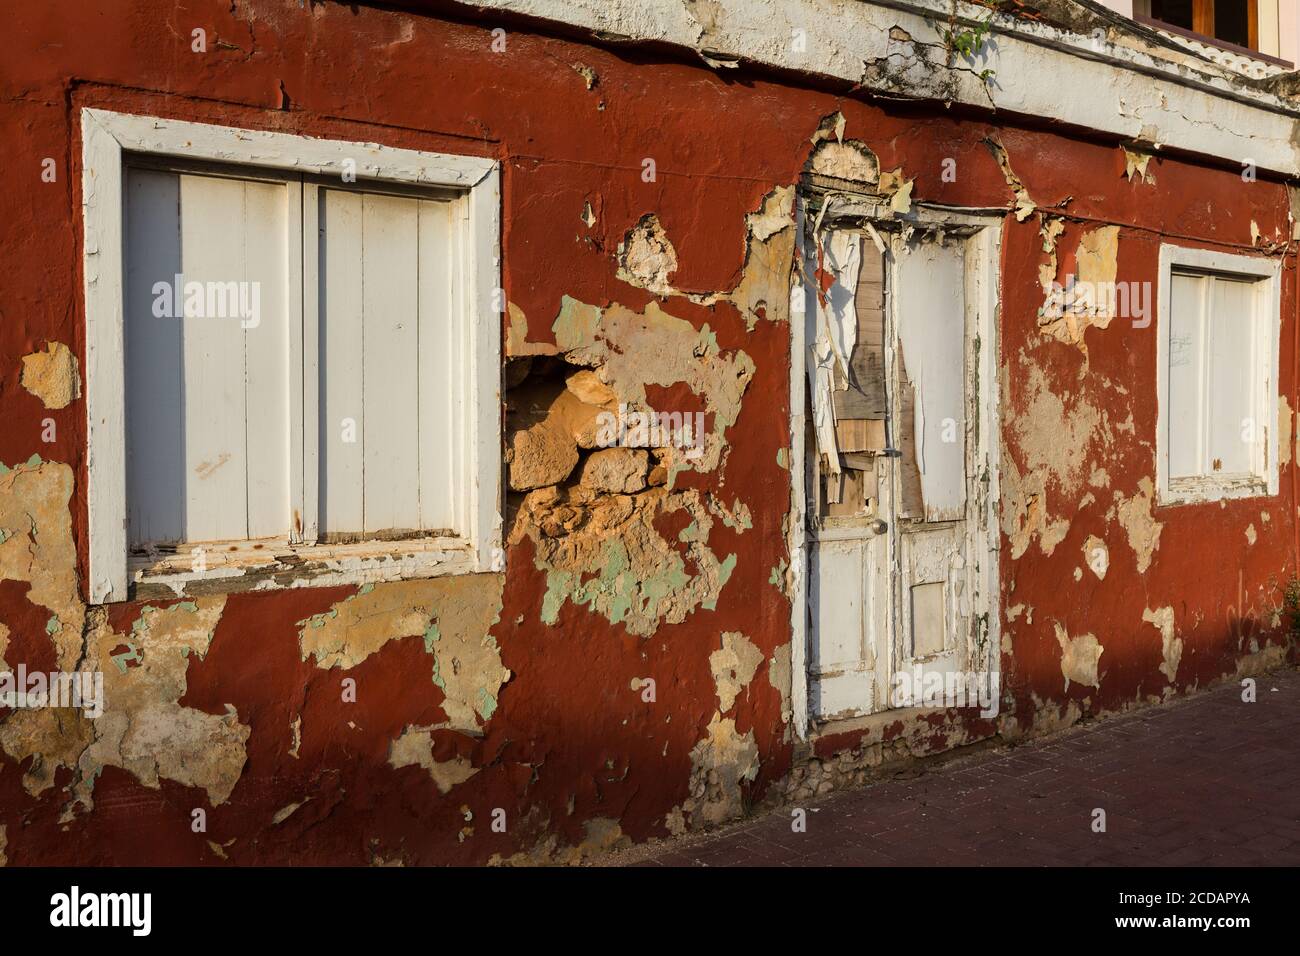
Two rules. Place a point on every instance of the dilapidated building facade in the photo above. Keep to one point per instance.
(508, 431)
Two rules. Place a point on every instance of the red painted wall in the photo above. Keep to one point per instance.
(570, 742)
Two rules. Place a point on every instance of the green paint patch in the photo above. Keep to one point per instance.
(576, 324)
(617, 592)
(783, 458)
(558, 588)
(319, 620)
(777, 577)
(53, 626)
(131, 654)
(724, 575)
(34, 462)
(708, 343)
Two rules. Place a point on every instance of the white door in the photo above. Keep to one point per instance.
(889, 586)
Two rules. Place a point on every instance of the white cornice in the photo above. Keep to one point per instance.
(897, 47)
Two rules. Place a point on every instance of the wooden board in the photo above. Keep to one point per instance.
(866, 395)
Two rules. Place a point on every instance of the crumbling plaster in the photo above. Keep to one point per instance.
(629, 674)
(1158, 97)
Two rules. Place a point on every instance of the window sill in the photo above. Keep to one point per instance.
(1209, 490)
(274, 564)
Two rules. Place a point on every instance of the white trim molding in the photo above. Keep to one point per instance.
(1266, 328)
(107, 138)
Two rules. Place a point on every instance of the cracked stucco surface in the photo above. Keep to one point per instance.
(454, 616)
(144, 729)
(619, 563)
(37, 547)
(903, 52)
(596, 516)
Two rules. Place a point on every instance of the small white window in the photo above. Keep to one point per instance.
(1218, 360)
(294, 358)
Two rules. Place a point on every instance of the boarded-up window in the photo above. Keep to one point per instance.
(222, 357)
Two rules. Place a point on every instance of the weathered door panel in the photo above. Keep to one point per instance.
(889, 587)
(934, 609)
(932, 387)
(849, 589)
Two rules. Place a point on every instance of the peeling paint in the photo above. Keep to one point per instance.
(414, 748)
(144, 729)
(52, 375)
(615, 546)
(778, 675)
(1284, 425)
(1079, 657)
(1096, 263)
(618, 563)
(1024, 205)
(646, 258)
(721, 763)
(733, 667)
(454, 616)
(1137, 517)
(38, 547)
(850, 160)
(1171, 646)
(1135, 167)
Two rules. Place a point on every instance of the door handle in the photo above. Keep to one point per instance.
(878, 526)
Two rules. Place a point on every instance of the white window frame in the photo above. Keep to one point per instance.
(1267, 274)
(106, 137)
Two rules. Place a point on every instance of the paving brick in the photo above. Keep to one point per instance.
(1205, 781)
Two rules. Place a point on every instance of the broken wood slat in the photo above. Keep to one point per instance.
(866, 396)
(860, 434)
(855, 488)
(911, 502)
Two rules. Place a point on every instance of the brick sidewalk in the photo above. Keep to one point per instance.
(1205, 781)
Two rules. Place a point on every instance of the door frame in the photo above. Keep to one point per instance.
(819, 206)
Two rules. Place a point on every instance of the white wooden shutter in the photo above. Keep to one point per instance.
(207, 395)
(389, 366)
(1231, 393)
(1187, 322)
